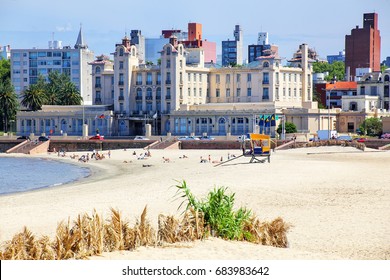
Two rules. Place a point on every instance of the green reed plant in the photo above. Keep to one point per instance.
(218, 211)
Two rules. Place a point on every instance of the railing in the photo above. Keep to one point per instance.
(158, 97)
(98, 85)
(265, 82)
(121, 98)
(149, 97)
(121, 83)
(149, 83)
(138, 83)
(138, 97)
(168, 97)
(98, 101)
(168, 82)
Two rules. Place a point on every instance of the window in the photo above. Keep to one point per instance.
(249, 77)
(139, 79)
(265, 94)
(189, 91)
(120, 64)
(158, 93)
(159, 78)
(277, 77)
(200, 91)
(217, 92)
(200, 77)
(149, 78)
(189, 77)
(249, 91)
(374, 91)
(181, 64)
(168, 81)
(168, 50)
(266, 78)
(362, 90)
(168, 63)
(266, 64)
(121, 52)
(387, 78)
(238, 78)
(194, 77)
(295, 92)
(228, 92)
(217, 78)
(277, 93)
(194, 91)
(238, 92)
(97, 70)
(228, 78)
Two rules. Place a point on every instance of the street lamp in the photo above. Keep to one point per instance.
(328, 97)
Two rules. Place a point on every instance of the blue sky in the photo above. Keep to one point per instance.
(322, 25)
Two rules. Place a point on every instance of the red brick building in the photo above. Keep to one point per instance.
(363, 46)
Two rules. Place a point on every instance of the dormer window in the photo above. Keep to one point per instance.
(168, 50)
(97, 70)
(121, 52)
(266, 64)
(387, 78)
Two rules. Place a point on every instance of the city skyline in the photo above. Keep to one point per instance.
(40, 21)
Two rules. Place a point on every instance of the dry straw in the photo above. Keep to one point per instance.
(90, 235)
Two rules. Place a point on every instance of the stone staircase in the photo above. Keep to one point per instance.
(30, 147)
(167, 144)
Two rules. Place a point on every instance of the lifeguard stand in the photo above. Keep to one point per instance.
(260, 146)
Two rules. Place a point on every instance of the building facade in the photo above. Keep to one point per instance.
(5, 52)
(28, 64)
(363, 46)
(232, 50)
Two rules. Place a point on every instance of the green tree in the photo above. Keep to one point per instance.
(34, 97)
(5, 69)
(336, 69)
(70, 94)
(372, 127)
(8, 103)
(289, 126)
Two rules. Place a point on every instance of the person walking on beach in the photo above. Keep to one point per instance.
(109, 154)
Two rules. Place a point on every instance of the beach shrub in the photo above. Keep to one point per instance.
(219, 216)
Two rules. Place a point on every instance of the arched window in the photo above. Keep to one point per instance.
(97, 70)
(149, 93)
(266, 64)
(387, 78)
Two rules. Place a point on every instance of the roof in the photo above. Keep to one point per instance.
(341, 86)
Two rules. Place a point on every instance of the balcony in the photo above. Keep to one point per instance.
(121, 83)
(138, 83)
(168, 82)
(98, 85)
(98, 101)
(168, 97)
(158, 97)
(149, 83)
(158, 83)
(265, 82)
(121, 98)
(149, 98)
(138, 97)
(265, 97)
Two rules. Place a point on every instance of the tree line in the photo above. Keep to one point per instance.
(57, 89)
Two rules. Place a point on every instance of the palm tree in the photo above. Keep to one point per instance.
(52, 97)
(34, 97)
(8, 102)
(70, 94)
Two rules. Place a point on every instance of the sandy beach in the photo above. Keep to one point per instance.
(337, 200)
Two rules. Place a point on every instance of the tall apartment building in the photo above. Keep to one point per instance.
(336, 57)
(28, 64)
(262, 48)
(232, 50)
(363, 46)
(138, 40)
(191, 39)
(5, 52)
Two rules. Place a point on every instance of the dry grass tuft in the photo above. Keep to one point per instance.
(268, 233)
(172, 230)
(91, 235)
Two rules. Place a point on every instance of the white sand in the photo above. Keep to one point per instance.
(337, 200)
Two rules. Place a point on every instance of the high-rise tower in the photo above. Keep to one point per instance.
(363, 46)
